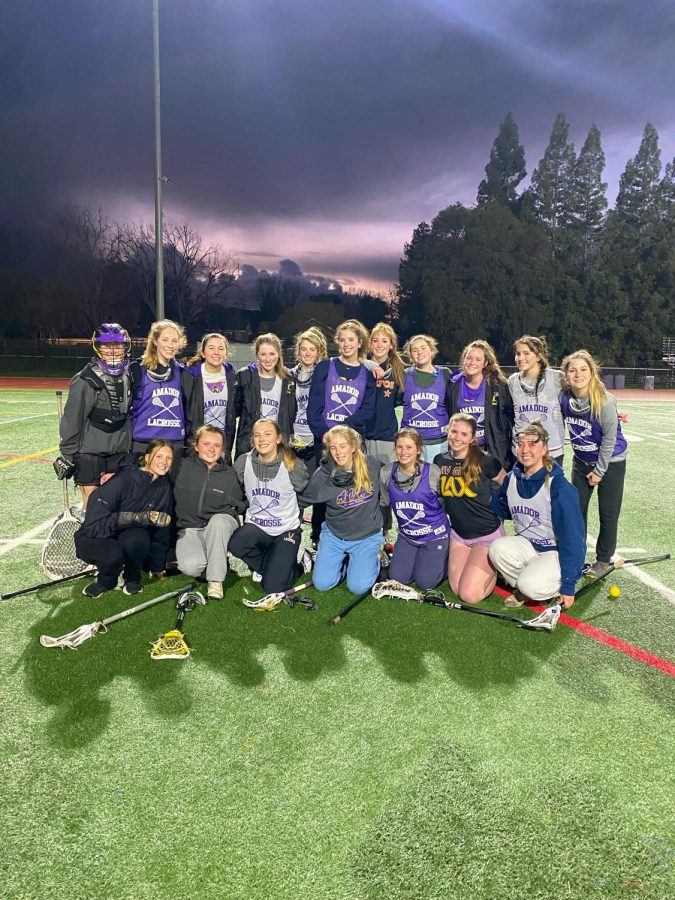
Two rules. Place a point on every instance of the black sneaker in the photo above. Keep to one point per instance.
(132, 587)
(95, 589)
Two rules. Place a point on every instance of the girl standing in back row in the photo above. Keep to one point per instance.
(211, 400)
(535, 389)
(480, 390)
(310, 349)
(424, 395)
(264, 391)
(599, 449)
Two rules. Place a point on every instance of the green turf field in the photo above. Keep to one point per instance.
(411, 752)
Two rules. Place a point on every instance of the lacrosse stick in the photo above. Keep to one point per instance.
(173, 645)
(44, 584)
(73, 639)
(271, 601)
(618, 565)
(544, 622)
(58, 554)
(345, 612)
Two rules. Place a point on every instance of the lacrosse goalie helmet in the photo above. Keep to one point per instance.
(112, 346)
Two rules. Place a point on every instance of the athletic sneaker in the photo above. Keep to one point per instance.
(214, 590)
(514, 600)
(598, 569)
(95, 589)
(305, 561)
(256, 576)
(132, 587)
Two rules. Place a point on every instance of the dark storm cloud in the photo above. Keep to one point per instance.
(312, 108)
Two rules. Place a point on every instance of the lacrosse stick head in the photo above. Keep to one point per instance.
(58, 554)
(171, 645)
(266, 604)
(395, 589)
(73, 639)
(190, 599)
(545, 621)
(112, 346)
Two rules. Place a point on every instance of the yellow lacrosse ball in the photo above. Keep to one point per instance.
(614, 592)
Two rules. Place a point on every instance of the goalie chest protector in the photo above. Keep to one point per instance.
(419, 513)
(273, 505)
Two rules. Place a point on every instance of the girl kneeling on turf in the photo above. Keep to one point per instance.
(347, 482)
(411, 486)
(209, 500)
(127, 522)
(467, 474)
(546, 555)
(269, 540)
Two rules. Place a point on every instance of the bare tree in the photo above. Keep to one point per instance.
(92, 247)
(197, 275)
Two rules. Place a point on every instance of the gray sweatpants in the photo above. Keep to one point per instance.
(534, 574)
(199, 549)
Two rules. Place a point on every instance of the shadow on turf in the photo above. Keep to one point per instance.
(477, 653)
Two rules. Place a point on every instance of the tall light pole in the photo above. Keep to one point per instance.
(159, 230)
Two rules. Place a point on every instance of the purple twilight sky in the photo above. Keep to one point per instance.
(314, 130)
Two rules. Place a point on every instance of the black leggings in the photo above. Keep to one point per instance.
(273, 556)
(125, 553)
(610, 496)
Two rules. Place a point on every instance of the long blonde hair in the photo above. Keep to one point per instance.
(394, 358)
(597, 393)
(359, 330)
(269, 338)
(362, 480)
(472, 465)
(150, 359)
(289, 457)
(316, 338)
(492, 372)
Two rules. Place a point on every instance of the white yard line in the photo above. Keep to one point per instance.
(25, 418)
(638, 573)
(630, 432)
(25, 537)
(36, 541)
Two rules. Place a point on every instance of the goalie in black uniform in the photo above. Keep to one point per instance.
(95, 431)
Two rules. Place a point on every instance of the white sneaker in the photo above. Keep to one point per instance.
(514, 600)
(256, 577)
(214, 590)
(306, 561)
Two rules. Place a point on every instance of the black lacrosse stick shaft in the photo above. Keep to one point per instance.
(44, 584)
(639, 561)
(345, 612)
(449, 604)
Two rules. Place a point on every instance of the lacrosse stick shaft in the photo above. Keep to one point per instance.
(84, 632)
(45, 584)
(345, 612)
(638, 561)
(449, 604)
(59, 411)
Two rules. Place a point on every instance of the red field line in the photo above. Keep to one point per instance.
(22, 383)
(604, 638)
(33, 458)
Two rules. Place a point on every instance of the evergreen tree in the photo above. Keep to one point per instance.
(506, 168)
(552, 188)
(590, 202)
(637, 203)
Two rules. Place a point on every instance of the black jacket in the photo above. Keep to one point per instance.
(130, 490)
(498, 418)
(201, 492)
(194, 405)
(248, 407)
